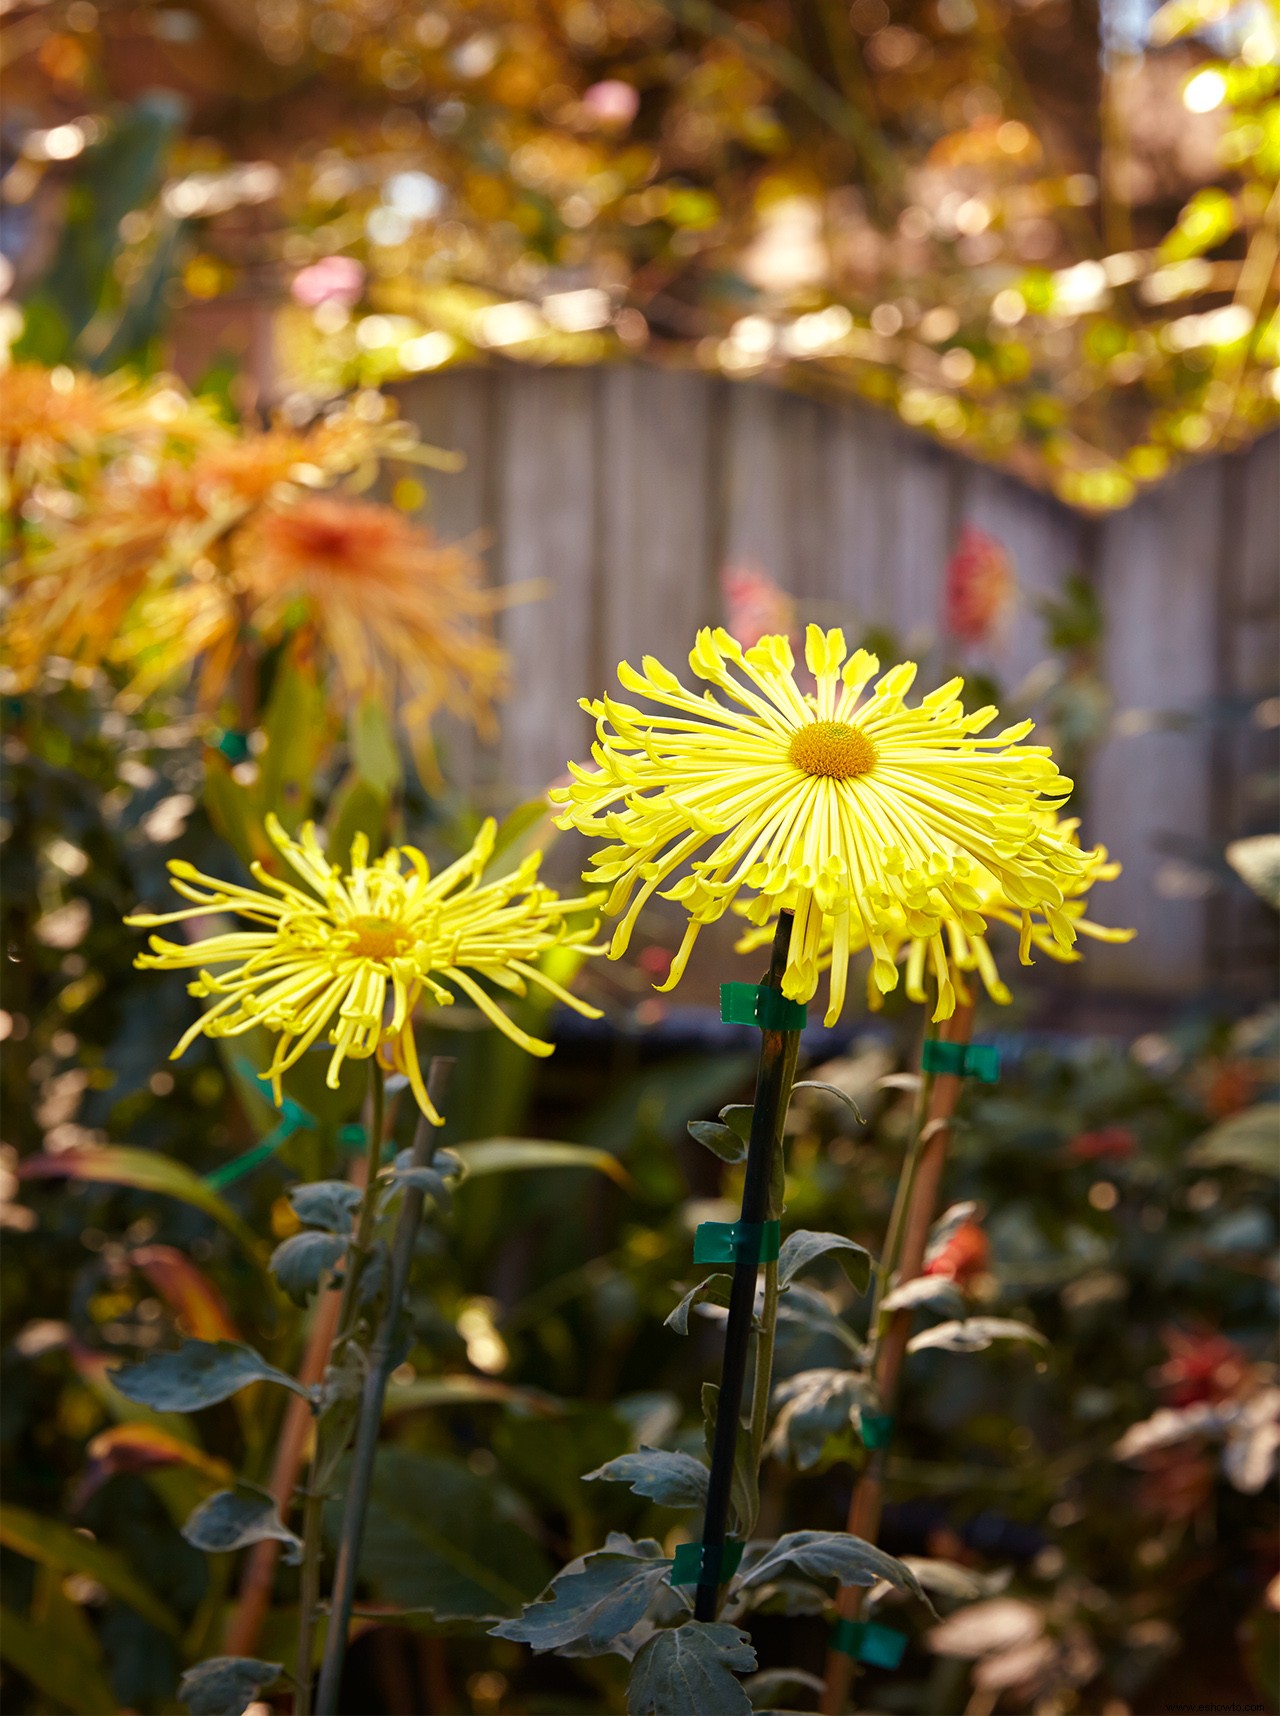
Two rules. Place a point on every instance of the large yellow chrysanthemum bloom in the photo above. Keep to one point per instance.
(869, 818)
(966, 951)
(351, 953)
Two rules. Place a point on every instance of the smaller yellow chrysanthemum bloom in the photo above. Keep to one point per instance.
(873, 820)
(350, 954)
(967, 952)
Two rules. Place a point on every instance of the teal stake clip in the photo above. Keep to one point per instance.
(721, 1560)
(875, 1429)
(869, 1642)
(962, 1060)
(737, 1241)
(293, 1118)
(757, 1004)
(234, 746)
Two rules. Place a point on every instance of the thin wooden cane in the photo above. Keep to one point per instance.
(868, 1496)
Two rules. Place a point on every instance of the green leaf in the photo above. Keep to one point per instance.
(841, 1096)
(714, 1290)
(737, 1117)
(765, 1688)
(358, 808)
(231, 1519)
(55, 1545)
(722, 1141)
(330, 1204)
(440, 1539)
(668, 1478)
(433, 1181)
(232, 811)
(146, 1171)
(200, 1373)
(527, 828)
(938, 1292)
(1249, 1140)
(802, 1307)
(226, 1685)
(801, 1248)
(813, 1405)
(464, 1391)
(301, 1262)
(69, 1677)
(833, 1555)
(295, 726)
(501, 1155)
(690, 1671)
(974, 1335)
(374, 750)
(597, 1599)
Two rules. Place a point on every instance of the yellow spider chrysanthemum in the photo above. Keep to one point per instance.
(869, 818)
(350, 954)
(969, 952)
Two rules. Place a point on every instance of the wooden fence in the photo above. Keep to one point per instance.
(626, 491)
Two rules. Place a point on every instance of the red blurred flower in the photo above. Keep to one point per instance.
(979, 587)
(1115, 1141)
(754, 605)
(966, 1254)
(1232, 1085)
(1202, 1365)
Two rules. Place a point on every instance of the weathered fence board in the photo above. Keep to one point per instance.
(626, 491)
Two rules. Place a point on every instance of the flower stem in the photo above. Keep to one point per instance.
(308, 1593)
(905, 1246)
(778, 1052)
(369, 1424)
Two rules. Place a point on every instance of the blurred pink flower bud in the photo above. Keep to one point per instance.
(334, 279)
(611, 102)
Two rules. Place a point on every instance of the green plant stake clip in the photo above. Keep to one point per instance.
(737, 1241)
(293, 1118)
(718, 1560)
(757, 1004)
(962, 1060)
(869, 1642)
(875, 1429)
(234, 746)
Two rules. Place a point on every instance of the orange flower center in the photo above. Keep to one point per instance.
(378, 938)
(832, 748)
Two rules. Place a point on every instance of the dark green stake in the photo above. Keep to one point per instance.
(778, 1051)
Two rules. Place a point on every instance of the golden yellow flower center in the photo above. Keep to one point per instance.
(832, 748)
(378, 938)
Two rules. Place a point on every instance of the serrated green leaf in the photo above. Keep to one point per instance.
(329, 1204)
(669, 1478)
(691, 1670)
(833, 1555)
(594, 1601)
(226, 1685)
